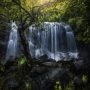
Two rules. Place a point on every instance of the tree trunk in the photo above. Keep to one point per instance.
(25, 45)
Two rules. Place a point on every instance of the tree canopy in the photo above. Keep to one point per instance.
(74, 12)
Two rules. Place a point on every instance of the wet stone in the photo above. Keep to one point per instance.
(11, 83)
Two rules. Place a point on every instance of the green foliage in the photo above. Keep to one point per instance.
(84, 79)
(22, 60)
(76, 16)
(70, 86)
(55, 11)
(28, 86)
(2, 68)
(57, 86)
(9, 9)
(74, 12)
(1, 82)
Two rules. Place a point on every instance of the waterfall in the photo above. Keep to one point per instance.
(52, 39)
(12, 47)
(72, 50)
(56, 40)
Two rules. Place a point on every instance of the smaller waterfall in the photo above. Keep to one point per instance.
(72, 50)
(12, 47)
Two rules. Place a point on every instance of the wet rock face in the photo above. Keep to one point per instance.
(11, 84)
(77, 80)
(4, 34)
(84, 50)
(60, 74)
(47, 80)
(79, 64)
(44, 57)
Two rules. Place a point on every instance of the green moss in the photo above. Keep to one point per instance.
(84, 79)
(57, 85)
(22, 60)
(70, 86)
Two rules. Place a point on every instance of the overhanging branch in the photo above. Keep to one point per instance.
(21, 7)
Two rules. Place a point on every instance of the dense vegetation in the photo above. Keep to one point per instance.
(24, 74)
(75, 12)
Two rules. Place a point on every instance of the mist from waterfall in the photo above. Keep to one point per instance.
(56, 40)
(12, 46)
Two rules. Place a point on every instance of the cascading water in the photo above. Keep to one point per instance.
(56, 40)
(72, 50)
(12, 47)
